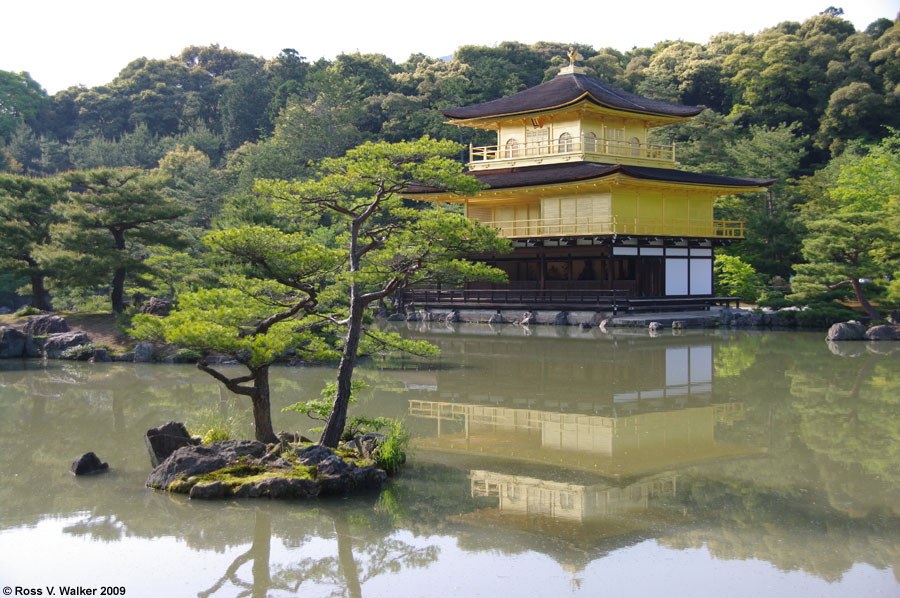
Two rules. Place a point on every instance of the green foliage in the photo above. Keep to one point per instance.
(111, 215)
(213, 426)
(22, 100)
(26, 220)
(80, 352)
(391, 453)
(734, 278)
(28, 311)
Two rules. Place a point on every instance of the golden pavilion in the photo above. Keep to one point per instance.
(597, 214)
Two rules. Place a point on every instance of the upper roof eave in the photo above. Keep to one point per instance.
(565, 90)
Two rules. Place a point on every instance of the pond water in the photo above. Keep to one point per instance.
(544, 463)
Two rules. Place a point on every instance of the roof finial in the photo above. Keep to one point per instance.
(573, 55)
(571, 69)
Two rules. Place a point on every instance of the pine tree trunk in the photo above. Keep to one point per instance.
(118, 291)
(334, 427)
(39, 294)
(857, 289)
(262, 409)
(117, 295)
(337, 419)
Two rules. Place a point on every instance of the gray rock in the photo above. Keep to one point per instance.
(156, 307)
(452, 317)
(88, 464)
(5, 310)
(45, 324)
(197, 460)
(396, 318)
(333, 465)
(123, 356)
(100, 356)
(12, 343)
(894, 317)
(561, 319)
(164, 440)
(883, 333)
(677, 325)
(59, 342)
(351, 479)
(655, 326)
(209, 490)
(495, 319)
(847, 331)
(314, 454)
(143, 352)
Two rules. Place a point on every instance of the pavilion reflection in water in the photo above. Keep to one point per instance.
(598, 464)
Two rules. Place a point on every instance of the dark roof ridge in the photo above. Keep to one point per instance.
(564, 90)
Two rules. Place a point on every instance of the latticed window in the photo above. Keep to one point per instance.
(565, 143)
(590, 142)
(512, 149)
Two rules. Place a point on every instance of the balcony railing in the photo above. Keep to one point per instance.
(588, 226)
(588, 145)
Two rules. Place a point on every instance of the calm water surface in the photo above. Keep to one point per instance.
(561, 462)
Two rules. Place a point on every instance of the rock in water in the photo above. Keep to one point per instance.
(655, 326)
(58, 342)
(883, 333)
(164, 440)
(45, 324)
(143, 352)
(847, 331)
(88, 464)
(12, 343)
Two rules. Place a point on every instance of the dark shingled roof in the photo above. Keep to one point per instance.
(566, 89)
(528, 176)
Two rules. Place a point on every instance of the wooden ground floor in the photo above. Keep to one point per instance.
(589, 275)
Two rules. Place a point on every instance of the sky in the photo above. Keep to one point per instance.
(88, 42)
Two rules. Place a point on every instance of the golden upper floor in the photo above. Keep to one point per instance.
(571, 118)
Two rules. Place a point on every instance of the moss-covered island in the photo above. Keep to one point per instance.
(252, 469)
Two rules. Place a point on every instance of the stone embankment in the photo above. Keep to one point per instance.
(725, 317)
(50, 337)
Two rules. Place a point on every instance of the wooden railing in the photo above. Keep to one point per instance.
(586, 226)
(607, 299)
(614, 300)
(583, 144)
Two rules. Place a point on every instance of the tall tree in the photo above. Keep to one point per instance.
(25, 220)
(386, 246)
(109, 213)
(842, 249)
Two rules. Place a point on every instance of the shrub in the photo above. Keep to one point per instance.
(732, 277)
(212, 426)
(80, 352)
(392, 452)
(28, 311)
(823, 315)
